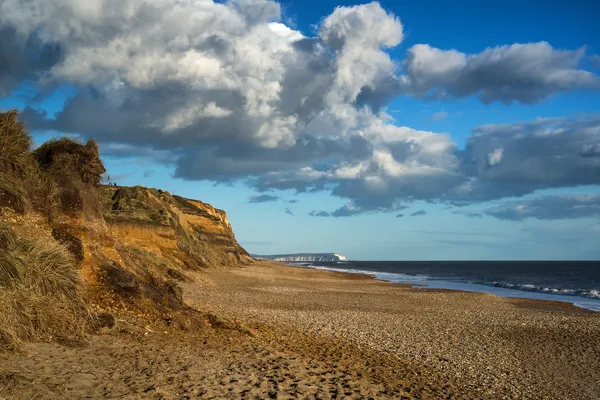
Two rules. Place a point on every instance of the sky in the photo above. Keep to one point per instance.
(391, 130)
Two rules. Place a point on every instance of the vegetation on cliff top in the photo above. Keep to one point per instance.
(50, 179)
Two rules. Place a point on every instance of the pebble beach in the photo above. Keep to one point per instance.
(490, 347)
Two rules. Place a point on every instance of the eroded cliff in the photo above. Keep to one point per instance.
(187, 234)
(126, 247)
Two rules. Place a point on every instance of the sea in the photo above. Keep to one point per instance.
(576, 282)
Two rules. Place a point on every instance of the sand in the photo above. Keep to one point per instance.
(297, 333)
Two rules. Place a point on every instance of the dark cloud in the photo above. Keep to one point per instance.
(16, 63)
(590, 150)
(289, 212)
(294, 201)
(262, 198)
(346, 211)
(418, 213)
(319, 214)
(232, 160)
(399, 215)
(516, 159)
(526, 73)
(548, 208)
(148, 173)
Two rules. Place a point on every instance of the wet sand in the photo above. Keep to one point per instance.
(285, 332)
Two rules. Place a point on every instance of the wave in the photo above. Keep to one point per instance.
(589, 293)
(425, 280)
(384, 276)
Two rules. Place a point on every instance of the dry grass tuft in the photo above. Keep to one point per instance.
(15, 144)
(17, 166)
(39, 295)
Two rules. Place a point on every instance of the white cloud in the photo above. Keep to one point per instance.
(527, 73)
(495, 157)
(285, 32)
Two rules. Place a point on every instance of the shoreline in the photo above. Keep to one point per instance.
(570, 301)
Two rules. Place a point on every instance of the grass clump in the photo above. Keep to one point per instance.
(15, 145)
(17, 166)
(39, 296)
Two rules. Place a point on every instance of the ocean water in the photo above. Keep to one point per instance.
(577, 282)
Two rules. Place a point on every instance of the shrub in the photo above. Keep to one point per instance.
(68, 157)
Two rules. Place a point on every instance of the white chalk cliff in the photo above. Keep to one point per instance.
(304, 257)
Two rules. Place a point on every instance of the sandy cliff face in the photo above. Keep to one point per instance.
(188, 234)
(151, 234)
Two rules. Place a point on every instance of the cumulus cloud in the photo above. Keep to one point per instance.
(262, 198)
(548, 208)
(526, 73)
(226, 92)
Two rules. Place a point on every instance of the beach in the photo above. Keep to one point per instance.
(286, 332)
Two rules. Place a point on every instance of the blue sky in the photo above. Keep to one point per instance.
(495, 150)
